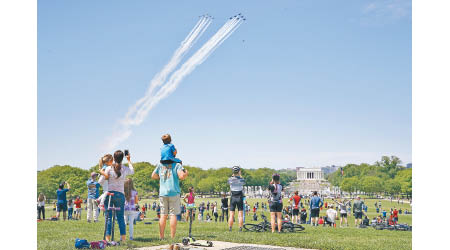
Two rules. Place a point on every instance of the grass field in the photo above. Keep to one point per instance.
(62, 234)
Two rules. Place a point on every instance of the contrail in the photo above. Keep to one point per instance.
(138, 112)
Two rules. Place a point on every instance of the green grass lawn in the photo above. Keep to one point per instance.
(62, 234)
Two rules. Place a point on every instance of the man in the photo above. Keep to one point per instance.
(315, 204)
(62, 200)
(93, 194)
(331, 216)
(236, 183)
(169, 176)
(295, 211)
(342, 205)
(358, 210)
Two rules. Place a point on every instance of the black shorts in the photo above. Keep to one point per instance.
(61, 207)
(276, 207)
(295, 211)
(237, 201)
(358, 215)
(315, 212)
(343, 215)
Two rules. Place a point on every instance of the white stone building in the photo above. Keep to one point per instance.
(309, 180)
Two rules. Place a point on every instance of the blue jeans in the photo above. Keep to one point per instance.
(70, 213)
(118, 201)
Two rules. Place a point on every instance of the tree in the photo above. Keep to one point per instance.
(371, 184)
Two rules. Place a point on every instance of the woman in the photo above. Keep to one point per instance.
(41, 206)
(115, 175)
(275, 202)
(189, 200)
(130, 200)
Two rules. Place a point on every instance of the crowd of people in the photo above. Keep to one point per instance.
(119, 192)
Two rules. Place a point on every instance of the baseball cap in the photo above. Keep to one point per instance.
(93, 174)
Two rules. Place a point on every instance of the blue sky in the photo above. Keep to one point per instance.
(300, 83)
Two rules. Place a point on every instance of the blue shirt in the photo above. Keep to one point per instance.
(93, 189)
(315, 202)
(61, 195)
(167, 151)
(169, 183)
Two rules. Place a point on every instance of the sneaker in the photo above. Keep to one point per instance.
(230, 229)
(95, 220)
(131, 237)
(240, 229)
(89, 221)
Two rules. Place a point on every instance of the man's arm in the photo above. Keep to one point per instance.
(155, 174)
(182, 174)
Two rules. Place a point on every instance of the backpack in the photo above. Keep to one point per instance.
(99, 244)
(82, 244)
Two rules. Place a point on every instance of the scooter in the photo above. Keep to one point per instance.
(191, 240)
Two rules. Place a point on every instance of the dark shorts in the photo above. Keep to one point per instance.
(61, 207)
(358, 215)
(315, 212)
(295, 212)
(275, 207)
(237, 201)
(344, 215)
(395, 219)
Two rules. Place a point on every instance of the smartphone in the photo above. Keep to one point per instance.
(126, 152)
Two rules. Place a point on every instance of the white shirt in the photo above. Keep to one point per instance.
(331, 214)
(114, 183)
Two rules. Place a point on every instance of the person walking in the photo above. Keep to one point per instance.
(116, 175)
(275, 202)
(169, 176)
(358, 210)
(62, 199)
(236, 183)
(315, 204)
(93, 194)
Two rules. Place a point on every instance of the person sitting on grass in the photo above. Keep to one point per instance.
(365, 222)
(62, 200)
(331, 215)
(321, 220)
(303, 216)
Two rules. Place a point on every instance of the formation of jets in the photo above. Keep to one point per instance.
(239, 16)
(207, 16)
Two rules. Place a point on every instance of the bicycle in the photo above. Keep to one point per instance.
(286, 226)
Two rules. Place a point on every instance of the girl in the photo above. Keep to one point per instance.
(275, 202)
(115, 175)
(189, 199)
(41, 206)
(130, 207)
(105, 161)
(70, 206)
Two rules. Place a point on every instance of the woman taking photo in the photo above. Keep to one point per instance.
(130, 205)
(275, 202)
(41, 206)
(115, 175)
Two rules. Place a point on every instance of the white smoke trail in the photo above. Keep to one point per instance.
(199, 57)
(139, 111)
(159, 79)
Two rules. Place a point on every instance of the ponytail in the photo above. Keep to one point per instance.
(118, 157)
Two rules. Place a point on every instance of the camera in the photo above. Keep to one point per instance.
(126, 152)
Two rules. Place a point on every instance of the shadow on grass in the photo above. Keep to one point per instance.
(151, 239)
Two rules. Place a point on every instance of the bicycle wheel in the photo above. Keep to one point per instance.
(287, 227)
(297, 228)
(253, 227)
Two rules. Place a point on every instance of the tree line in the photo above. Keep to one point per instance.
(386, 176)
(210, 181)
